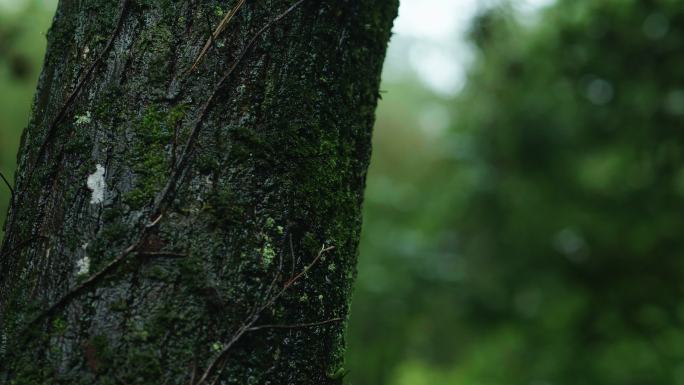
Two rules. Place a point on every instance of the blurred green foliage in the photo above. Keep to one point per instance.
(539, 240)
(536, 240)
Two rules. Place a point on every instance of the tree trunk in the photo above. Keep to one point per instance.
(185, 215)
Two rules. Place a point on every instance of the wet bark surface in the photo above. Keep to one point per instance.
(180, 225)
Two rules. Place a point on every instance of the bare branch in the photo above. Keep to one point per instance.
(219, 29)
(161, 254)
(309, 266)
(295, 326)
(249, 322)
(73, 293)
(111, 266)
(9, 186)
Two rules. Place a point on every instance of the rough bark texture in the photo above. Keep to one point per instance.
(219, 188)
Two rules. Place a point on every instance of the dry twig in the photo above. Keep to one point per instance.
(111, 266)
(295, 326)
(219, 29)
(161, 254)
(250, 320)
(9, 186)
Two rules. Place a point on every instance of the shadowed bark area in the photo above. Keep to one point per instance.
(180, 225)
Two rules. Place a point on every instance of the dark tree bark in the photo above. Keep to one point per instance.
(184, 215)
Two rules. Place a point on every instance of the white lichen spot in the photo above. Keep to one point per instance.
(86, 51)
(83, 266)
(80, 120)
(96, 184)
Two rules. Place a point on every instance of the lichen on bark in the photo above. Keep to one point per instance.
(276, 172)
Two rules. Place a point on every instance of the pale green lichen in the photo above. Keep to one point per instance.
(270, 223)
(337, 374)
(86, 118)
(268, 254)
(59, 326)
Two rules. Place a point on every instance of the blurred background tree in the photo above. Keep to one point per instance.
(522, 231)
(538, 240)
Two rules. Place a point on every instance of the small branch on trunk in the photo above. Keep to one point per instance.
(308, 267)
(9, 186)
(73, 293)
(295, 326)
(219, 29)
(161, 254)
(250, 320)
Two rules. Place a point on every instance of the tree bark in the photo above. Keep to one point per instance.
(190, 216)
